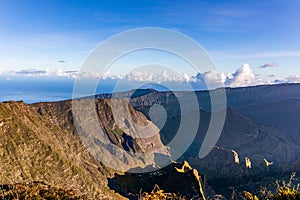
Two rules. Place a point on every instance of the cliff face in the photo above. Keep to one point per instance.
(40, 142)
(35, 148)
(281, 115)
(113, 132)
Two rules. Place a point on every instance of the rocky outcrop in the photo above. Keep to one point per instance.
(177, 178)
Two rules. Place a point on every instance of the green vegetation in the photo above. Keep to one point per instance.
(284, 191)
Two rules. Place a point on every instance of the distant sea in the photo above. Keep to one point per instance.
(43, 89)
(31, 90)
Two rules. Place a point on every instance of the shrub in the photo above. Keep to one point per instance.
(284, 191)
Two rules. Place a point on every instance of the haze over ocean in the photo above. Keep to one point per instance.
(32, 90)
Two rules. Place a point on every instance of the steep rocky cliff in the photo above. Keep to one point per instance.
(40, 142)
(35, 148)
(115, 129)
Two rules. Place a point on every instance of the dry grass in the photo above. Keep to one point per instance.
(158, 194)
(38, 191)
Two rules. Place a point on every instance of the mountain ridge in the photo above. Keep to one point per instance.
(40, 141)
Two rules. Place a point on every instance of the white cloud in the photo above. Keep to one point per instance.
(244, 76)
(1, 71)
(162, 76)
(214, 78)
(66, 73)
(211, 79)
(186, 77)
(269, 65)
(289, 79)
(33, 72)
(110, 75)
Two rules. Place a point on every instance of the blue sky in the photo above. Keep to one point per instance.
(53, 35)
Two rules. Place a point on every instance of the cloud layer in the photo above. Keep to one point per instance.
(243, 76)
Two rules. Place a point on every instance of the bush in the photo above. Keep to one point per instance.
(286, 194)
(284, 191)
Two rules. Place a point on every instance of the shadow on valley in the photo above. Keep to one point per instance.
(177, 178)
